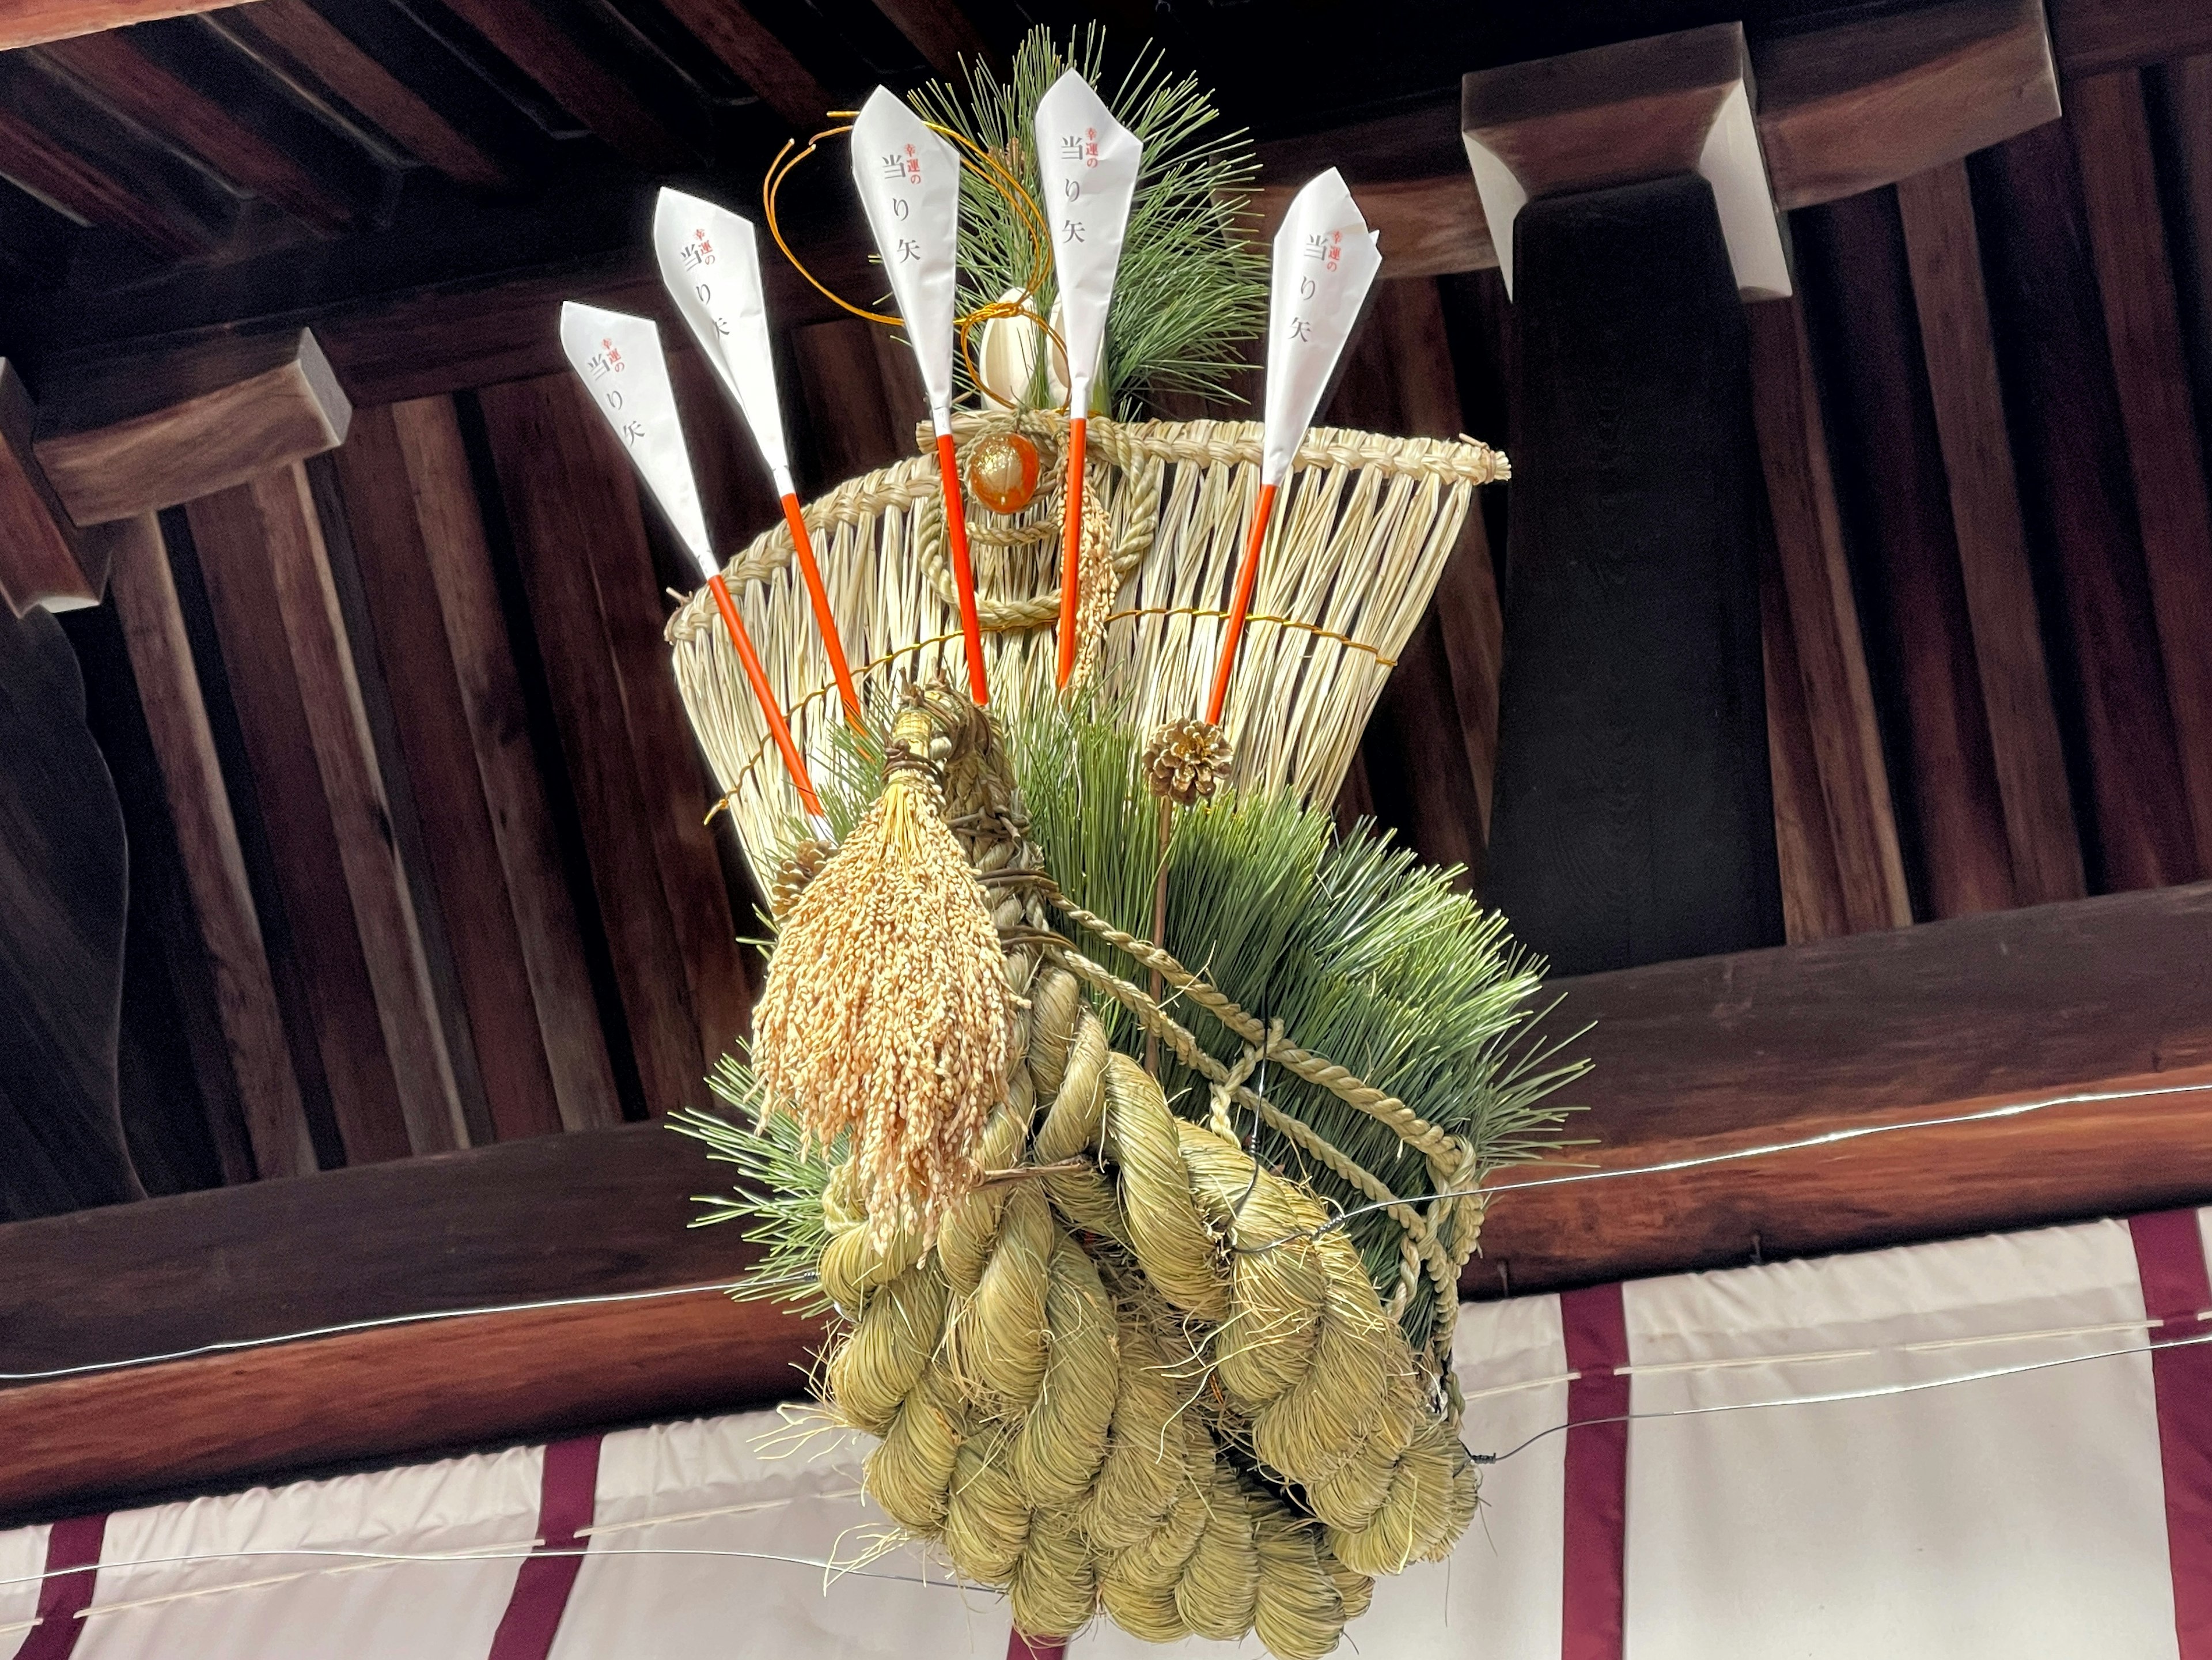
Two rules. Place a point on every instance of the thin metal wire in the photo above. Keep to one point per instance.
(1825, 1138)
(1875, 1392)
(231, 1345)
(823, 1563)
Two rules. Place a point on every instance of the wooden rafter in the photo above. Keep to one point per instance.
(113, 67)
(745, 44)
(587, 89)
(308, 42)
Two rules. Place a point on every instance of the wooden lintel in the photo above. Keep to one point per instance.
(1692, 1059)
(131, 436)
(1866, 103)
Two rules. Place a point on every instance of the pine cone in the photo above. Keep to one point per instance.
(1186, 760)
(800, 866)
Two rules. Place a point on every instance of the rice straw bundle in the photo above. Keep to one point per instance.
(887, 1012)
(1366, 524)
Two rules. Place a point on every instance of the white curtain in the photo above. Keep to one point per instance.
(1955, 1505)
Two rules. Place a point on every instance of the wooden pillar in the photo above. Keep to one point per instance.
(1632, 820)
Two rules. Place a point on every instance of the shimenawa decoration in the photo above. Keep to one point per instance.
(1129, 1119)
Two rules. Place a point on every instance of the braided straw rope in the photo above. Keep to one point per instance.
(1362, 530)
(1100, 1385)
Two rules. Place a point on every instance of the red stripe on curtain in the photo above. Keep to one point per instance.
(1019, 1647)
(565, 1496)
(1597, 1474)
(72, 1544)
(2170, 1258)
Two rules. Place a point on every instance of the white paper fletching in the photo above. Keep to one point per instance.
(619, 358)
(1325, 261)
(909, 183)
(710, 262)
(1087, 164)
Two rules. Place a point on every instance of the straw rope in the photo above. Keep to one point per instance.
(1098, 1384)
(1365, 524)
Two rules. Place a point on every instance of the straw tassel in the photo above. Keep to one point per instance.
(887, 1012)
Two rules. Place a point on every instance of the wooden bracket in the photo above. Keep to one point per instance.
(1619, 114)
(129, 436)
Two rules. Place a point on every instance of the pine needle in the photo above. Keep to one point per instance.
(1192, 291)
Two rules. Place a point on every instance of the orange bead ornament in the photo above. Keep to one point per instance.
(1002, 472)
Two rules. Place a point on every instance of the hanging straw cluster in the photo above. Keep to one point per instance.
(887, 1012)
(1137, 1371)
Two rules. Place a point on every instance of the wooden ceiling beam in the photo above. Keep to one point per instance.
(944, 35)
(1858, 105)
(309, 42)
(112, 67)
(145, 431)
(581, 84)
(1693, 1061)
(749, 48)
(105, 173)
(34, 22)
(2096, 36)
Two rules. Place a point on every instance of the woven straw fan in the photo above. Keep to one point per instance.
(1364, 526)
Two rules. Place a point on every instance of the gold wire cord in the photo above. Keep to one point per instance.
(819, 693)
(999, 177)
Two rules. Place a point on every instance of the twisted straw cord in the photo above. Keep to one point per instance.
(1157, 1021)
(1005, 616)
(1443, 1150)
(1209, 443)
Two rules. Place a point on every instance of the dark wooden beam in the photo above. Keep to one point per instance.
(597, 1214)
(586, 88)
(33, 22)
(142, 432)
(2064, 416)
(2095, 36)
(321, 791)
(1943, 247)
(749, 47)
(1862, 104)
(1707, 1056)
(116, 69)
(79, 157)
(411, 506)
(1849, 779)
(1694, 1059)
(310, 44)
(44, 560)
(941, 31)
(581, 539)
(1891, 480)
(2143, 327)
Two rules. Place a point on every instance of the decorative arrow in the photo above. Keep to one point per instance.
(908, 178)
(710, 264)
(1325, 261)
(620, 360)
(1087, 162)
